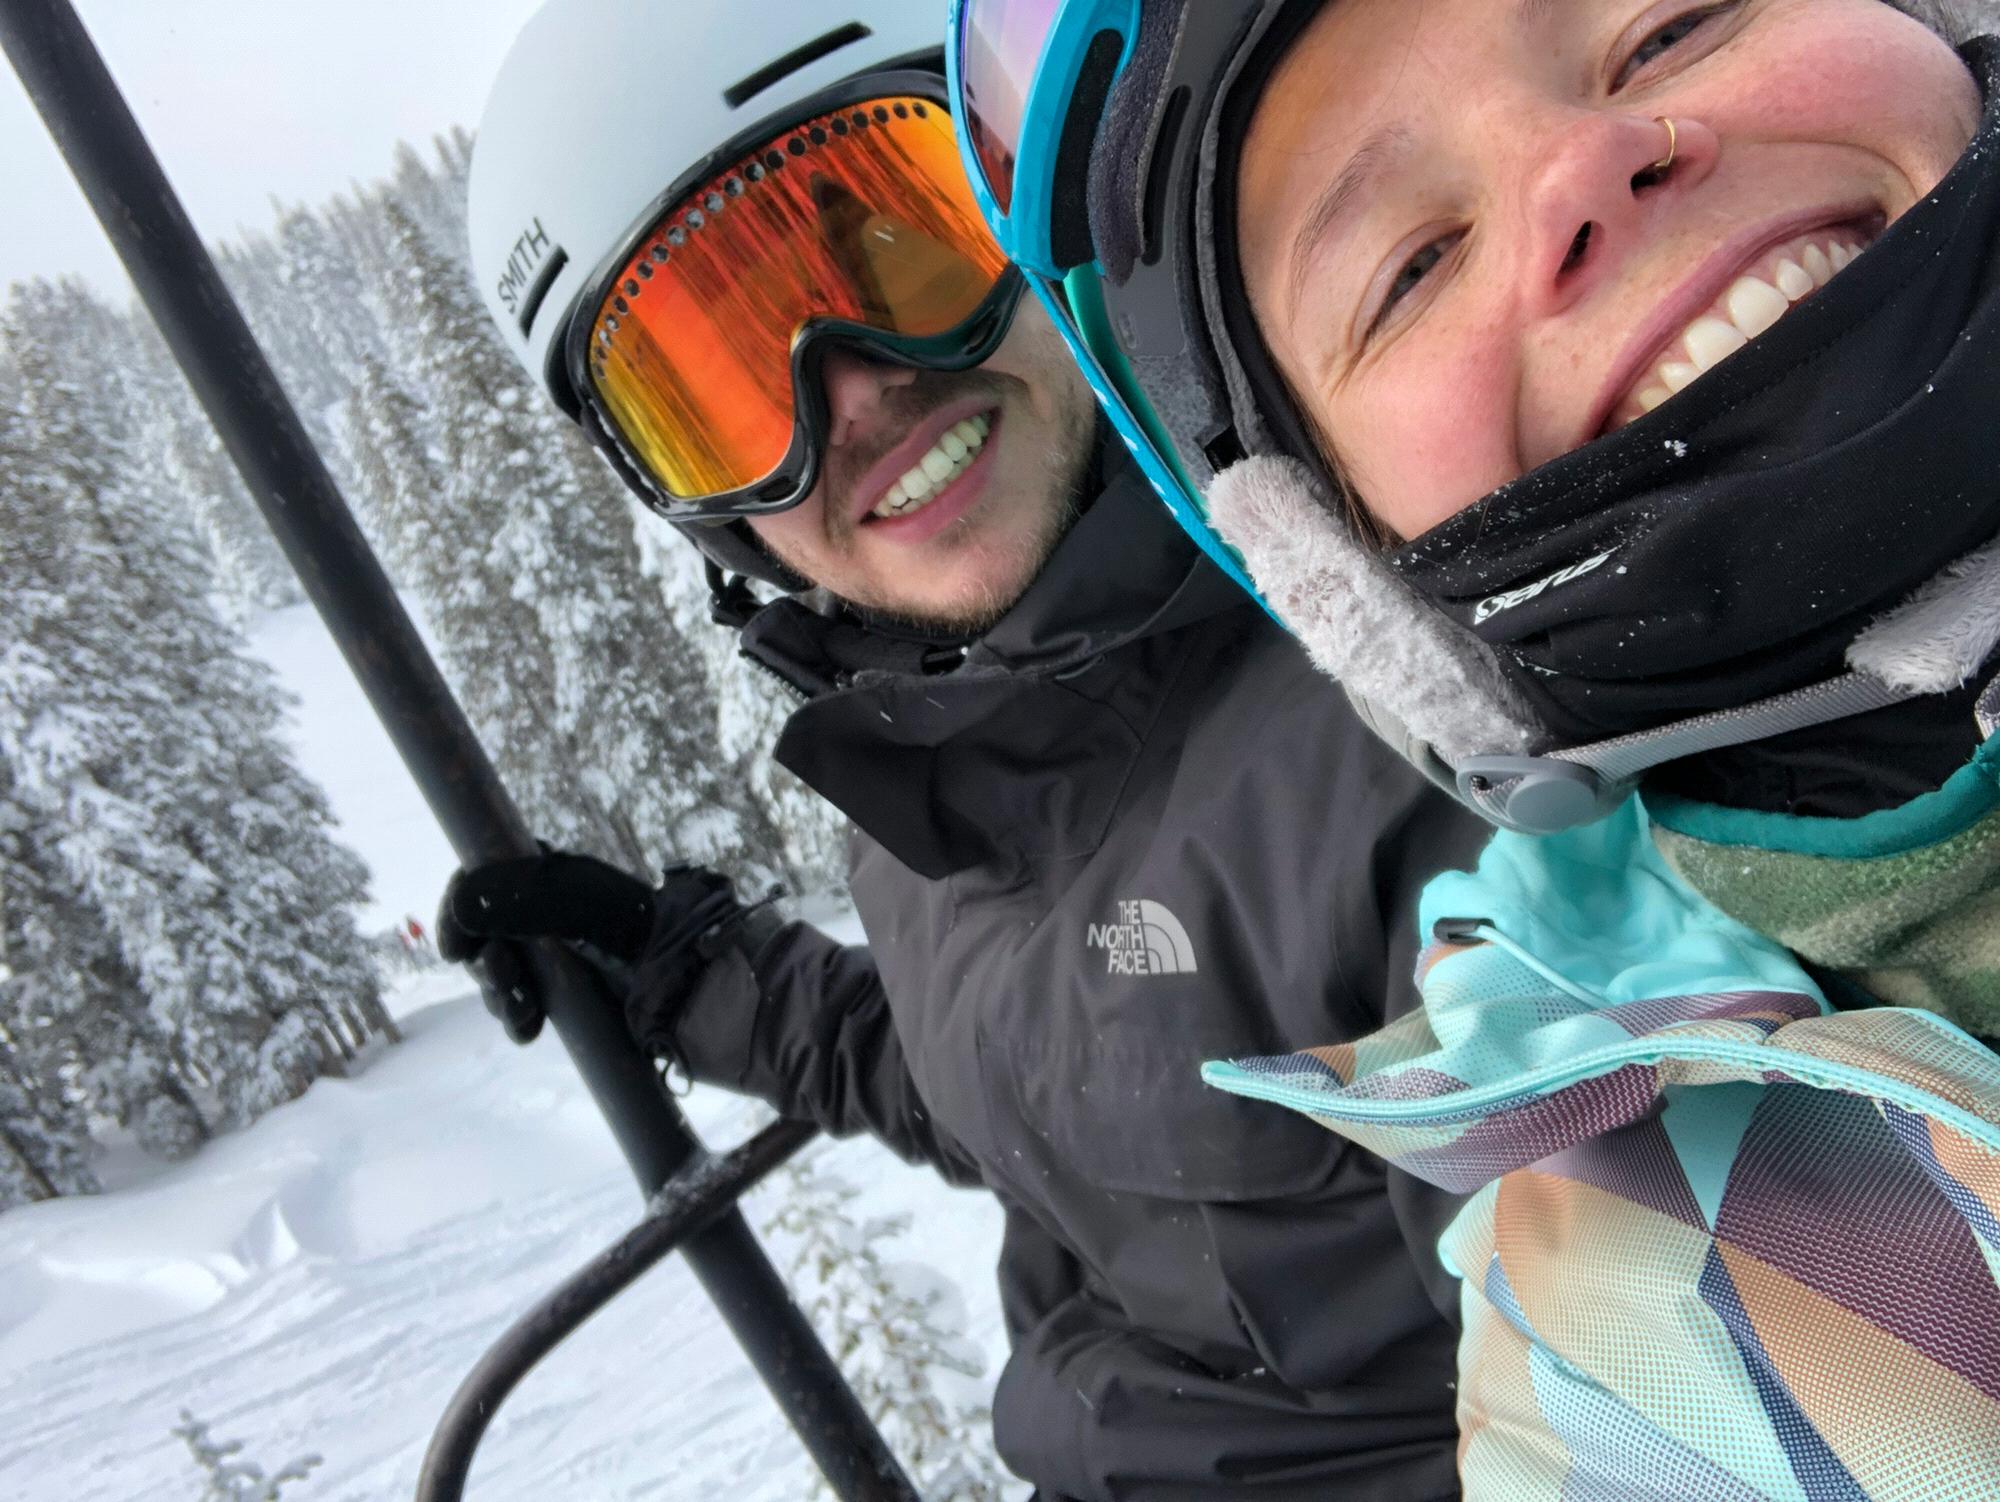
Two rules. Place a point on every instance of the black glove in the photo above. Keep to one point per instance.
(651, 943)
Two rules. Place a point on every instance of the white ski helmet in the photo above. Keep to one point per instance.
(602, 104)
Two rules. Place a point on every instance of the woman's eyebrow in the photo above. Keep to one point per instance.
(1341, 197)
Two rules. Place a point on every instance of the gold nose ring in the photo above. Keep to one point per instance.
(1673, 145)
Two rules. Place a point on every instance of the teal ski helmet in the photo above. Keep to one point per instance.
(1097, 134)
(1102, 138)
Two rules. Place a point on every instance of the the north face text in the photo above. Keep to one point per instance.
(1146, 940)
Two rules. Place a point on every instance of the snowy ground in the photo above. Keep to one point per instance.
(322, 1281)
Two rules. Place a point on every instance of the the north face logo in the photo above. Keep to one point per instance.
(1146, 940)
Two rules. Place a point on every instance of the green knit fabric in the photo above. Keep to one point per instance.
(1915, 924)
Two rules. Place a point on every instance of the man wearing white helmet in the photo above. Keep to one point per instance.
(746, 260)
(670, 336)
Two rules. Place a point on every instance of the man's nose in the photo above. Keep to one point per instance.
(855, 391)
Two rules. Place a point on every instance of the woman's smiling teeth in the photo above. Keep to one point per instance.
(950, 457)
(1754, 301)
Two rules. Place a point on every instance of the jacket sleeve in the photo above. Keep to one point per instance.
(1092, 1410)
(801, 1022)
(1418, 834)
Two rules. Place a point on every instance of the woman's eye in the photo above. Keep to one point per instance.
(1419, 266)
(1668, 37)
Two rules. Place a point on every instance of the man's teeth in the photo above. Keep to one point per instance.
(950, 457)
(1753, 303)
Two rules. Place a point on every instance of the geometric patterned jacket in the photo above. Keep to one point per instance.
(1725, 1243)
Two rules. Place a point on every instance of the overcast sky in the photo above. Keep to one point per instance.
(246, 98)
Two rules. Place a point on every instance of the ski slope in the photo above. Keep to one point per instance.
(321, 1281)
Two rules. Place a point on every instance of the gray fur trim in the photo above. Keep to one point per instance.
(1941, 636)
(1360, 623)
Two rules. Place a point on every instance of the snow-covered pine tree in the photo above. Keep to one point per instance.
(57, 967)
(254, 271)
(520, 541)
(486, 640)
(883, 1323)
(354, 219)
(135, 727)
(250, 568)
(72, 1006)
(433, 198)
(44, 1135)
(329, 300)
(44, 1146)
(751, 709)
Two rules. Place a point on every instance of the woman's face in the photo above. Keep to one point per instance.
(1464, 262)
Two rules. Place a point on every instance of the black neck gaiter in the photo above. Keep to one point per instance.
(1730, 545)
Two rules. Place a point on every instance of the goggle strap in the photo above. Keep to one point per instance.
(1548, 794)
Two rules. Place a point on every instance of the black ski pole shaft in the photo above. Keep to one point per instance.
(81, 105)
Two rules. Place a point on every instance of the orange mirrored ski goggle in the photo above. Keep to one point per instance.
(694, 355)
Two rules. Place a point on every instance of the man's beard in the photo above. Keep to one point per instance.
(989, 604)
(1061, 471)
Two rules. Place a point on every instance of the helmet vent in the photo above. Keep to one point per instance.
(739, 94)
(538, 293)
(1154, 217)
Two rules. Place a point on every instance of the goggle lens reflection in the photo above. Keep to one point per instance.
(1000, 45)
(862, 216)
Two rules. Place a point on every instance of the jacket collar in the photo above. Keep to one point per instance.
(1011, 750)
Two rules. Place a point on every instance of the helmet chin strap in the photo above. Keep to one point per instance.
(1944, 635)
(1565, 789)
(731, 600)
(1431, 689)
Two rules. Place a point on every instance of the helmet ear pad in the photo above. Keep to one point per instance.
(1161, 189)
(1122, 154)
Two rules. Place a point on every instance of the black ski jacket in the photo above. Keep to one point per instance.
(1128, 830)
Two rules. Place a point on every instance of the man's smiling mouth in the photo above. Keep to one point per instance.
(951, 456)
(1758, 298)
